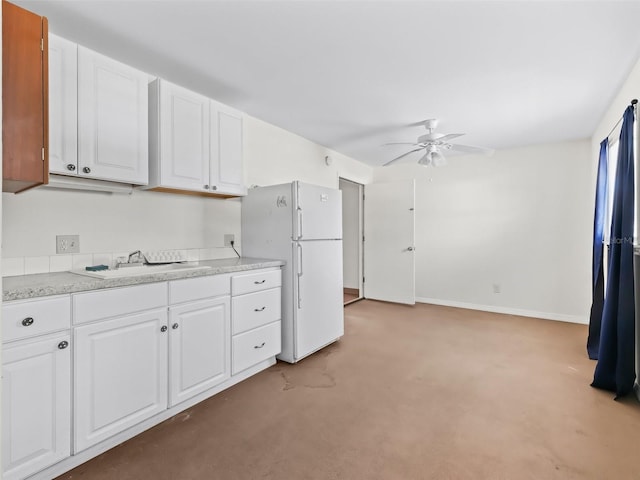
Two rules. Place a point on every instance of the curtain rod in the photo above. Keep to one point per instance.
(634, 104)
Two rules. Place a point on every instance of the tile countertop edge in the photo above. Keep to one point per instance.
(24, 287)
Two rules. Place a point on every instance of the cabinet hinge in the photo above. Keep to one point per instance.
(362, 279)
(43, 154)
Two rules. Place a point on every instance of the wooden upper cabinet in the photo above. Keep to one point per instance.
(24, 98)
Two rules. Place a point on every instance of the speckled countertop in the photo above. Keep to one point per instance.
(45, 284)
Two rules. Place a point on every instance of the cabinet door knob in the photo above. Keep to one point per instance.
(213, 187)
(27, 322)
(62, 345)
(86, 170)
(259, 309)
(71, 166)
(163, 328)
(206, 187)
(259, 346)
(175, 326)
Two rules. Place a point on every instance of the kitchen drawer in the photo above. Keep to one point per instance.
(34, 317)
(255, 346)
(252, 282)
(199, 288)
(255, 309)
(114, 302)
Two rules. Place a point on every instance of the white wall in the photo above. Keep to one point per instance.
(520, 220)
(629, 90)
(114, 224)
(274, 155)
(351, 234)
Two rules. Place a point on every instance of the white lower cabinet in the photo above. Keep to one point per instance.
(199, 347)
(36, 404)
(140, 355)
(257, 305)
(120, 375)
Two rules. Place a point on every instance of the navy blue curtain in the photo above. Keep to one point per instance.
(615, 370)
(597, 280)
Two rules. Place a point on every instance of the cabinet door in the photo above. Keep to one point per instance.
(184, 138)
(24, 99)
(226, 150)
(112, 119)
(36, 405)
(120, 375)
(200, 347)
(63, 106)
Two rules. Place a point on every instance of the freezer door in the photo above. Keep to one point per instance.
(319, 318)
(318, 212)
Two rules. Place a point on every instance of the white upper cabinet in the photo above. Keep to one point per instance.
(98, 116)
(178, 137)
(195, 144)
(63, 105)
(226, 149)
(112, 119)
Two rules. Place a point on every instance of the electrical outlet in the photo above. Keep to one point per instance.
(496, 288)
(67, 243)
(228, 238)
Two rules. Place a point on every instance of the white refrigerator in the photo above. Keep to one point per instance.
(302, 225)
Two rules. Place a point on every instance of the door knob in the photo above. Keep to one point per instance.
(86, 170)
(71, 167)
(410, 249)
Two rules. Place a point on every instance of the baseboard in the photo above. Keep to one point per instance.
(351, 291)
(560, 317)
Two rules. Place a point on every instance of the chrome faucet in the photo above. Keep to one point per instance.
(137, 254)
(135, 259)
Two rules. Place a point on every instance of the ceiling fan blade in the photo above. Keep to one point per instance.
(402, 156)
(400, 143)
(448, 137)
(470, 149)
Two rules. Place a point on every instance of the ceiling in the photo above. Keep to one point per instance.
(353, 75)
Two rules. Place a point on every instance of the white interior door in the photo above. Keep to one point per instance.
(389, 253)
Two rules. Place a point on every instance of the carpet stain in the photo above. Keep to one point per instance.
(287, 383)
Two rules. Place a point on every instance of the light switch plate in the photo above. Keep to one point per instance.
(67, 243)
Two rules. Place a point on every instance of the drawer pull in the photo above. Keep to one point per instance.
(259, 309)
(259, 346)
(62, 345)
(260, 282)
(27, 321)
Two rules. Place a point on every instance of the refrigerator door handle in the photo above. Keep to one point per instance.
(299, 274)
(299, 223)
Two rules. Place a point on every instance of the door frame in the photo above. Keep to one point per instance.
(360, 187)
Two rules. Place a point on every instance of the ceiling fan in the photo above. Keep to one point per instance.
(434, 144)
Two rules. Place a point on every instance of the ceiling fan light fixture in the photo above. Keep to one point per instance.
(437, 159)
(425, 161)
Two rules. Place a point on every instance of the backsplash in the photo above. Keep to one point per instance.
(62, 263)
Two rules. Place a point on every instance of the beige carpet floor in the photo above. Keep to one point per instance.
(422, 392)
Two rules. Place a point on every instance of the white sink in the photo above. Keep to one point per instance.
(142, 270)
